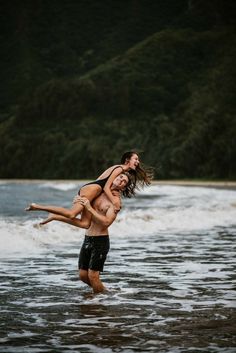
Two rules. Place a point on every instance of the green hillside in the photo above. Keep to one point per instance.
(168, 90)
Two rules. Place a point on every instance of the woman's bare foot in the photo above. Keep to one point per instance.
(51, 217)
(37, 226)
(31, 207)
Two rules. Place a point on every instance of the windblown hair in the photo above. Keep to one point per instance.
(129, 190)
(140, 177)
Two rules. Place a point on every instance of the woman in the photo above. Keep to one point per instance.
(129, 163)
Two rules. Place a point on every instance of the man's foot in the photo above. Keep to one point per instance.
(89, 295)
(31, 207)
(50, 218)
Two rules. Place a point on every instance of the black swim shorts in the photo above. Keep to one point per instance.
(93, 252)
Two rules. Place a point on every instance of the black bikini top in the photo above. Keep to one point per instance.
(102, 182)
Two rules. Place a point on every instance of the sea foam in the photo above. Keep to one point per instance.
(157, 210)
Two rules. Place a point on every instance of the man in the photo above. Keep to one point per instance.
(101, 214)
(96, 243)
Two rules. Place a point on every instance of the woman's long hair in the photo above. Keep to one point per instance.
(129, 190)
(140, 177)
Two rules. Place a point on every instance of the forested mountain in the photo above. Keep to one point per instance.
(83, 81)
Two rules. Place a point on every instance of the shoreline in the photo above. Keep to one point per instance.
(228, 185)
(231, 185)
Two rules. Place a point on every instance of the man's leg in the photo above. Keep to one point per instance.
(100, 248)
(95, 282)
(83, 276)
(84, 259)
(92, 278)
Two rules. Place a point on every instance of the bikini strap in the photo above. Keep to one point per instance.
(118, 166)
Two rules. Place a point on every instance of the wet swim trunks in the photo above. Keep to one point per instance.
(93, 252)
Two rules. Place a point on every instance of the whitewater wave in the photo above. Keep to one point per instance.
(156, 210)
(175, 220)
(63, 186)
(24, 237)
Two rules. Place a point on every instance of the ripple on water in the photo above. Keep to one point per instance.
(171, 290)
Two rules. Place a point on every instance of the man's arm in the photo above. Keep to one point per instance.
(105, 220)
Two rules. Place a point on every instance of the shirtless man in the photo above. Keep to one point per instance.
(96, 243)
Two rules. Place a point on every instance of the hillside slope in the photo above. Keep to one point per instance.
(171, 95)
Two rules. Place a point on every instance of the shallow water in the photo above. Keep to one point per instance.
(170, 272)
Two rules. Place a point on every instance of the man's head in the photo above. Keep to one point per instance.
(120, 182)
(125, 184)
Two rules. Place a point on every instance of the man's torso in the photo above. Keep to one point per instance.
(101, 204)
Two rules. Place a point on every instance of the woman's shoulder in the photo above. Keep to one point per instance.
(108, 171)
(115, 166)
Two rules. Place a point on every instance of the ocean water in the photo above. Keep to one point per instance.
(170, 272)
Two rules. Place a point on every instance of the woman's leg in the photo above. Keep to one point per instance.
(90, 192)
(85, 219)
(69, 213)
(54, 217)
(83, 222)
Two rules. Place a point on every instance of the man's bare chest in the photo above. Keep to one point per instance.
(102, 204)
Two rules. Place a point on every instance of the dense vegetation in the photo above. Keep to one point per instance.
(83, 81)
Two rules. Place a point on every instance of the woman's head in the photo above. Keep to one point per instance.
(141, 175)
(131, 158)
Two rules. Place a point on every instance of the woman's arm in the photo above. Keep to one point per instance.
(107, 188)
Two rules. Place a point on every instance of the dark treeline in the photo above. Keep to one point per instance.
(83, 81)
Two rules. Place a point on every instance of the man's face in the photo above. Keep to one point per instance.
(120, 181)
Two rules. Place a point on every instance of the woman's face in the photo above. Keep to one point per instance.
(134, 161)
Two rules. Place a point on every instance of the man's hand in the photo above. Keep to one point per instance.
(117, 205)
(83, 201)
